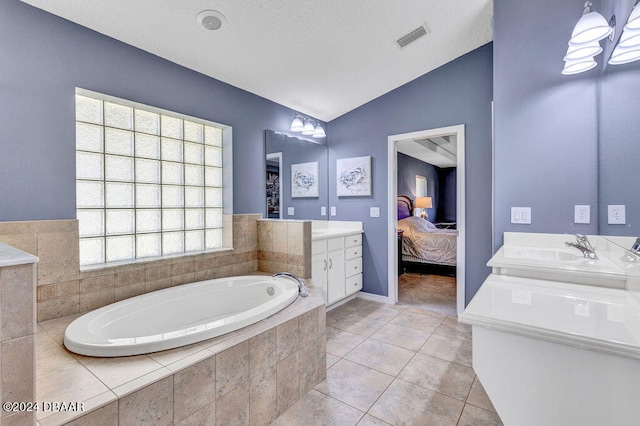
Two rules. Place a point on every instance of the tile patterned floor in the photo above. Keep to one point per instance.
(394, 365)
(431, 292)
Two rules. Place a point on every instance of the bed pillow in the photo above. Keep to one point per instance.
(416, 224)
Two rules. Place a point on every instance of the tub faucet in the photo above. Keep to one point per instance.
(584, 246)
(302, 287)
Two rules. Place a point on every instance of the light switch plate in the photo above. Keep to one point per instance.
(333, 210)
(617, 215)
(374, 212)
(290, 211)
(521, 215)
(323, 211)
(582, 214)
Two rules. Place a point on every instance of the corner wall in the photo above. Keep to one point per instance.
(459, 92)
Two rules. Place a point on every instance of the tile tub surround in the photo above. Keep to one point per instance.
(246, 377)
(64, 290)
(284, 245)
(18, 333)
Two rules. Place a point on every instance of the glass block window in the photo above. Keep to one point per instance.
(148, 182)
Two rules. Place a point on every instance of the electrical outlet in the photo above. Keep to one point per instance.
(290, 211)
(374, 212)
(333, 210)
(582, 214)
(323, 211)
(521, 215)
(617, 215)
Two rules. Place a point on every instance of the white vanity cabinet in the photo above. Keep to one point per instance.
(337, 265)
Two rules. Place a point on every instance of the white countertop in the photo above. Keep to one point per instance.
(333, 232)
(586, 316)
(321, 229)
(10, 256)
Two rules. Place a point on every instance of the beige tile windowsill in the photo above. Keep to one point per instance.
(109, 265)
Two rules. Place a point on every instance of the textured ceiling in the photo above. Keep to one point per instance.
(320, 57)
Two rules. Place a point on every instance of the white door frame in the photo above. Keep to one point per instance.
(392, 228)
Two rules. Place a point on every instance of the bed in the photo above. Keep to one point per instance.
(424, 246)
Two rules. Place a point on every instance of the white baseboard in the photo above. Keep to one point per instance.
(373, 297)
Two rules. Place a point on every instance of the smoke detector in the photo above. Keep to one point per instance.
(211, 19)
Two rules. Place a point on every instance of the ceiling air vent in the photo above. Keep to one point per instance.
(413, 36)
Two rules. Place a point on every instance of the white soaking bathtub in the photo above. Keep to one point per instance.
(178, 316)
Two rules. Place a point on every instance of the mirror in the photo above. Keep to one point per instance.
(618, 136)
(297, 180)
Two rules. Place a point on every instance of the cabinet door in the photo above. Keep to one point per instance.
(319, 267)
(336, 276)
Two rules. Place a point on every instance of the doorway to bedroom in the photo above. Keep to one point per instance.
(426, 250)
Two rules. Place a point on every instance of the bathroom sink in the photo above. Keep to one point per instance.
(543, 254)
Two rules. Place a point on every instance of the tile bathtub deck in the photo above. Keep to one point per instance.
(394, 365)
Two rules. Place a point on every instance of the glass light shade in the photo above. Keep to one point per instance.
(624, 55)
(308, 128)
(296, 125)
(630, 38)
(319, 132)
(591, 27)
(583, 51)
(576, 67)
(633, 23)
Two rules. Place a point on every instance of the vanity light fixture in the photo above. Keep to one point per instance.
(308, 129)
(584, 43)
(296, 124)
(318, 132)
(305, 125)
(628, 47)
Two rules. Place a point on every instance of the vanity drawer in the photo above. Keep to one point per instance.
(353, 252)
(318, 246)
(353, 284)
(353, 266)
(353, 240)
(335, 243)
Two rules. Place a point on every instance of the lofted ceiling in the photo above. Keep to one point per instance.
(322, 58)
(441, 151)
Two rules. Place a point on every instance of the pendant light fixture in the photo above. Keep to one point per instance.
(584, 44)
(628, 47)
(591, 27)
(308, 128)
(304, 125)
(296, 124)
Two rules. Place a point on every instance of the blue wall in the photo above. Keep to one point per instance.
(546, 134)
(459, 92)
(439, 187)
(43, 58)
(447, 209)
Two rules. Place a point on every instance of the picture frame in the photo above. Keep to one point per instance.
(353, 176)
(304, 180)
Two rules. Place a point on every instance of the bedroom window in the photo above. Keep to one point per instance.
(149, 182)
(421, 186)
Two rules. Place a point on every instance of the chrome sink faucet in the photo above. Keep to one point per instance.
(584, 246)
(302, 286)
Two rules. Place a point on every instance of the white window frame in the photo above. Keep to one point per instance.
(200, 220)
